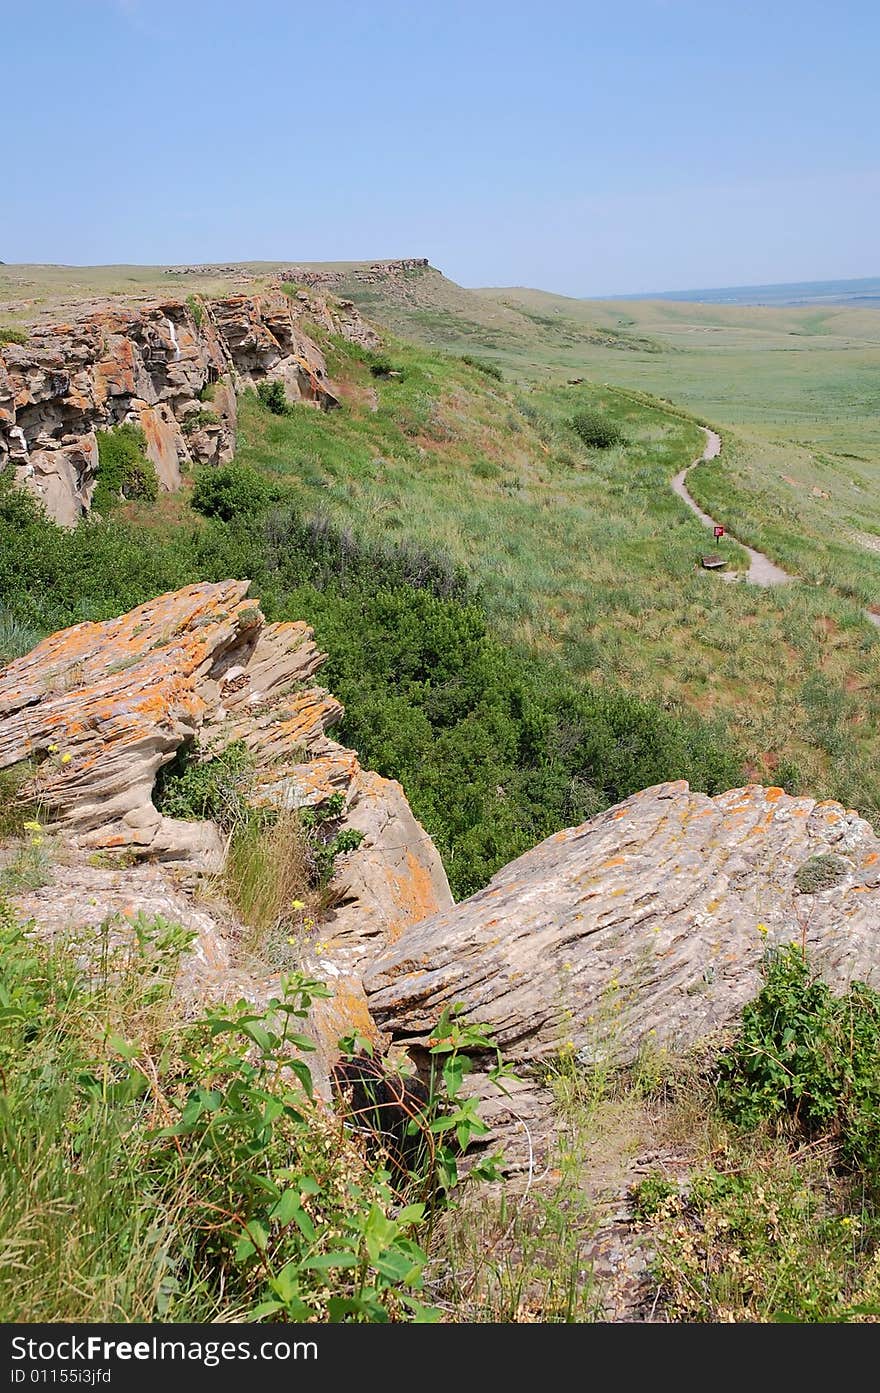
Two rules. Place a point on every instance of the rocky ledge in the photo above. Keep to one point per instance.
(98, 709)
(154, 364)
(644, 928)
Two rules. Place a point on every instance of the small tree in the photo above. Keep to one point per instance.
(123, 468)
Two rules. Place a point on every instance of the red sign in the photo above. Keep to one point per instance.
(719, 531)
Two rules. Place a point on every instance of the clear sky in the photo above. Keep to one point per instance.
(588, 148)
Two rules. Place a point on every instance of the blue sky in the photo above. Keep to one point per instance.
(581, 147)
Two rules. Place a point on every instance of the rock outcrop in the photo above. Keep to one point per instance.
(153, 364)
(645, 927)
(373, 273)
(98, 709)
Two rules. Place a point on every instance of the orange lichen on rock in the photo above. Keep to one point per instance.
(101, 707)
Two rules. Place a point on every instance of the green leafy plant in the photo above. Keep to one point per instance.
(325, 841)
(8, 334)
(193, 1171)
(424, 1126)
(194, 788)
(809, 1060)
(230, 491)
(123, 468)
(760, 1236)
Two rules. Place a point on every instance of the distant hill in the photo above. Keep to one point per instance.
(864, 293)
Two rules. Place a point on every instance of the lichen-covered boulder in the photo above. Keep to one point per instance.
(98, 709)
(646, 926)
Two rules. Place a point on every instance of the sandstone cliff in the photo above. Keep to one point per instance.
(150, 364)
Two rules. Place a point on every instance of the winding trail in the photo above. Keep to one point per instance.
(762, 571)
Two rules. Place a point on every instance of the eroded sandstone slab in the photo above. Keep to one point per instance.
(96, 710)
(646, 926)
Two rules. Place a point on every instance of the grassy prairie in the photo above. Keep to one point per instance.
(794, 392)
(589, 555)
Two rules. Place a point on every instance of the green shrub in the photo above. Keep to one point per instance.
(123, 468)
(196, 309)
(207, 392)
(197, 420)
(596, 431)
(325, 840)
(10, 335)
(482, 365)
(230, 491)
(760, 1235)
(271, 394)
(153, 1169)
(193, 788)
(808, 1059)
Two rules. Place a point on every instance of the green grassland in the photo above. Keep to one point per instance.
(795, 393)
(589, 556)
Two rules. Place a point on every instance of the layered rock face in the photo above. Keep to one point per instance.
(645, 927)
(100, 708)
(149, 364)
(373, 274)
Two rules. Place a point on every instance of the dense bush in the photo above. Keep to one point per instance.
(596, 431)
(123, 468)
(809, 1058)
(230, 491)
(194, 789)
(495, 749)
